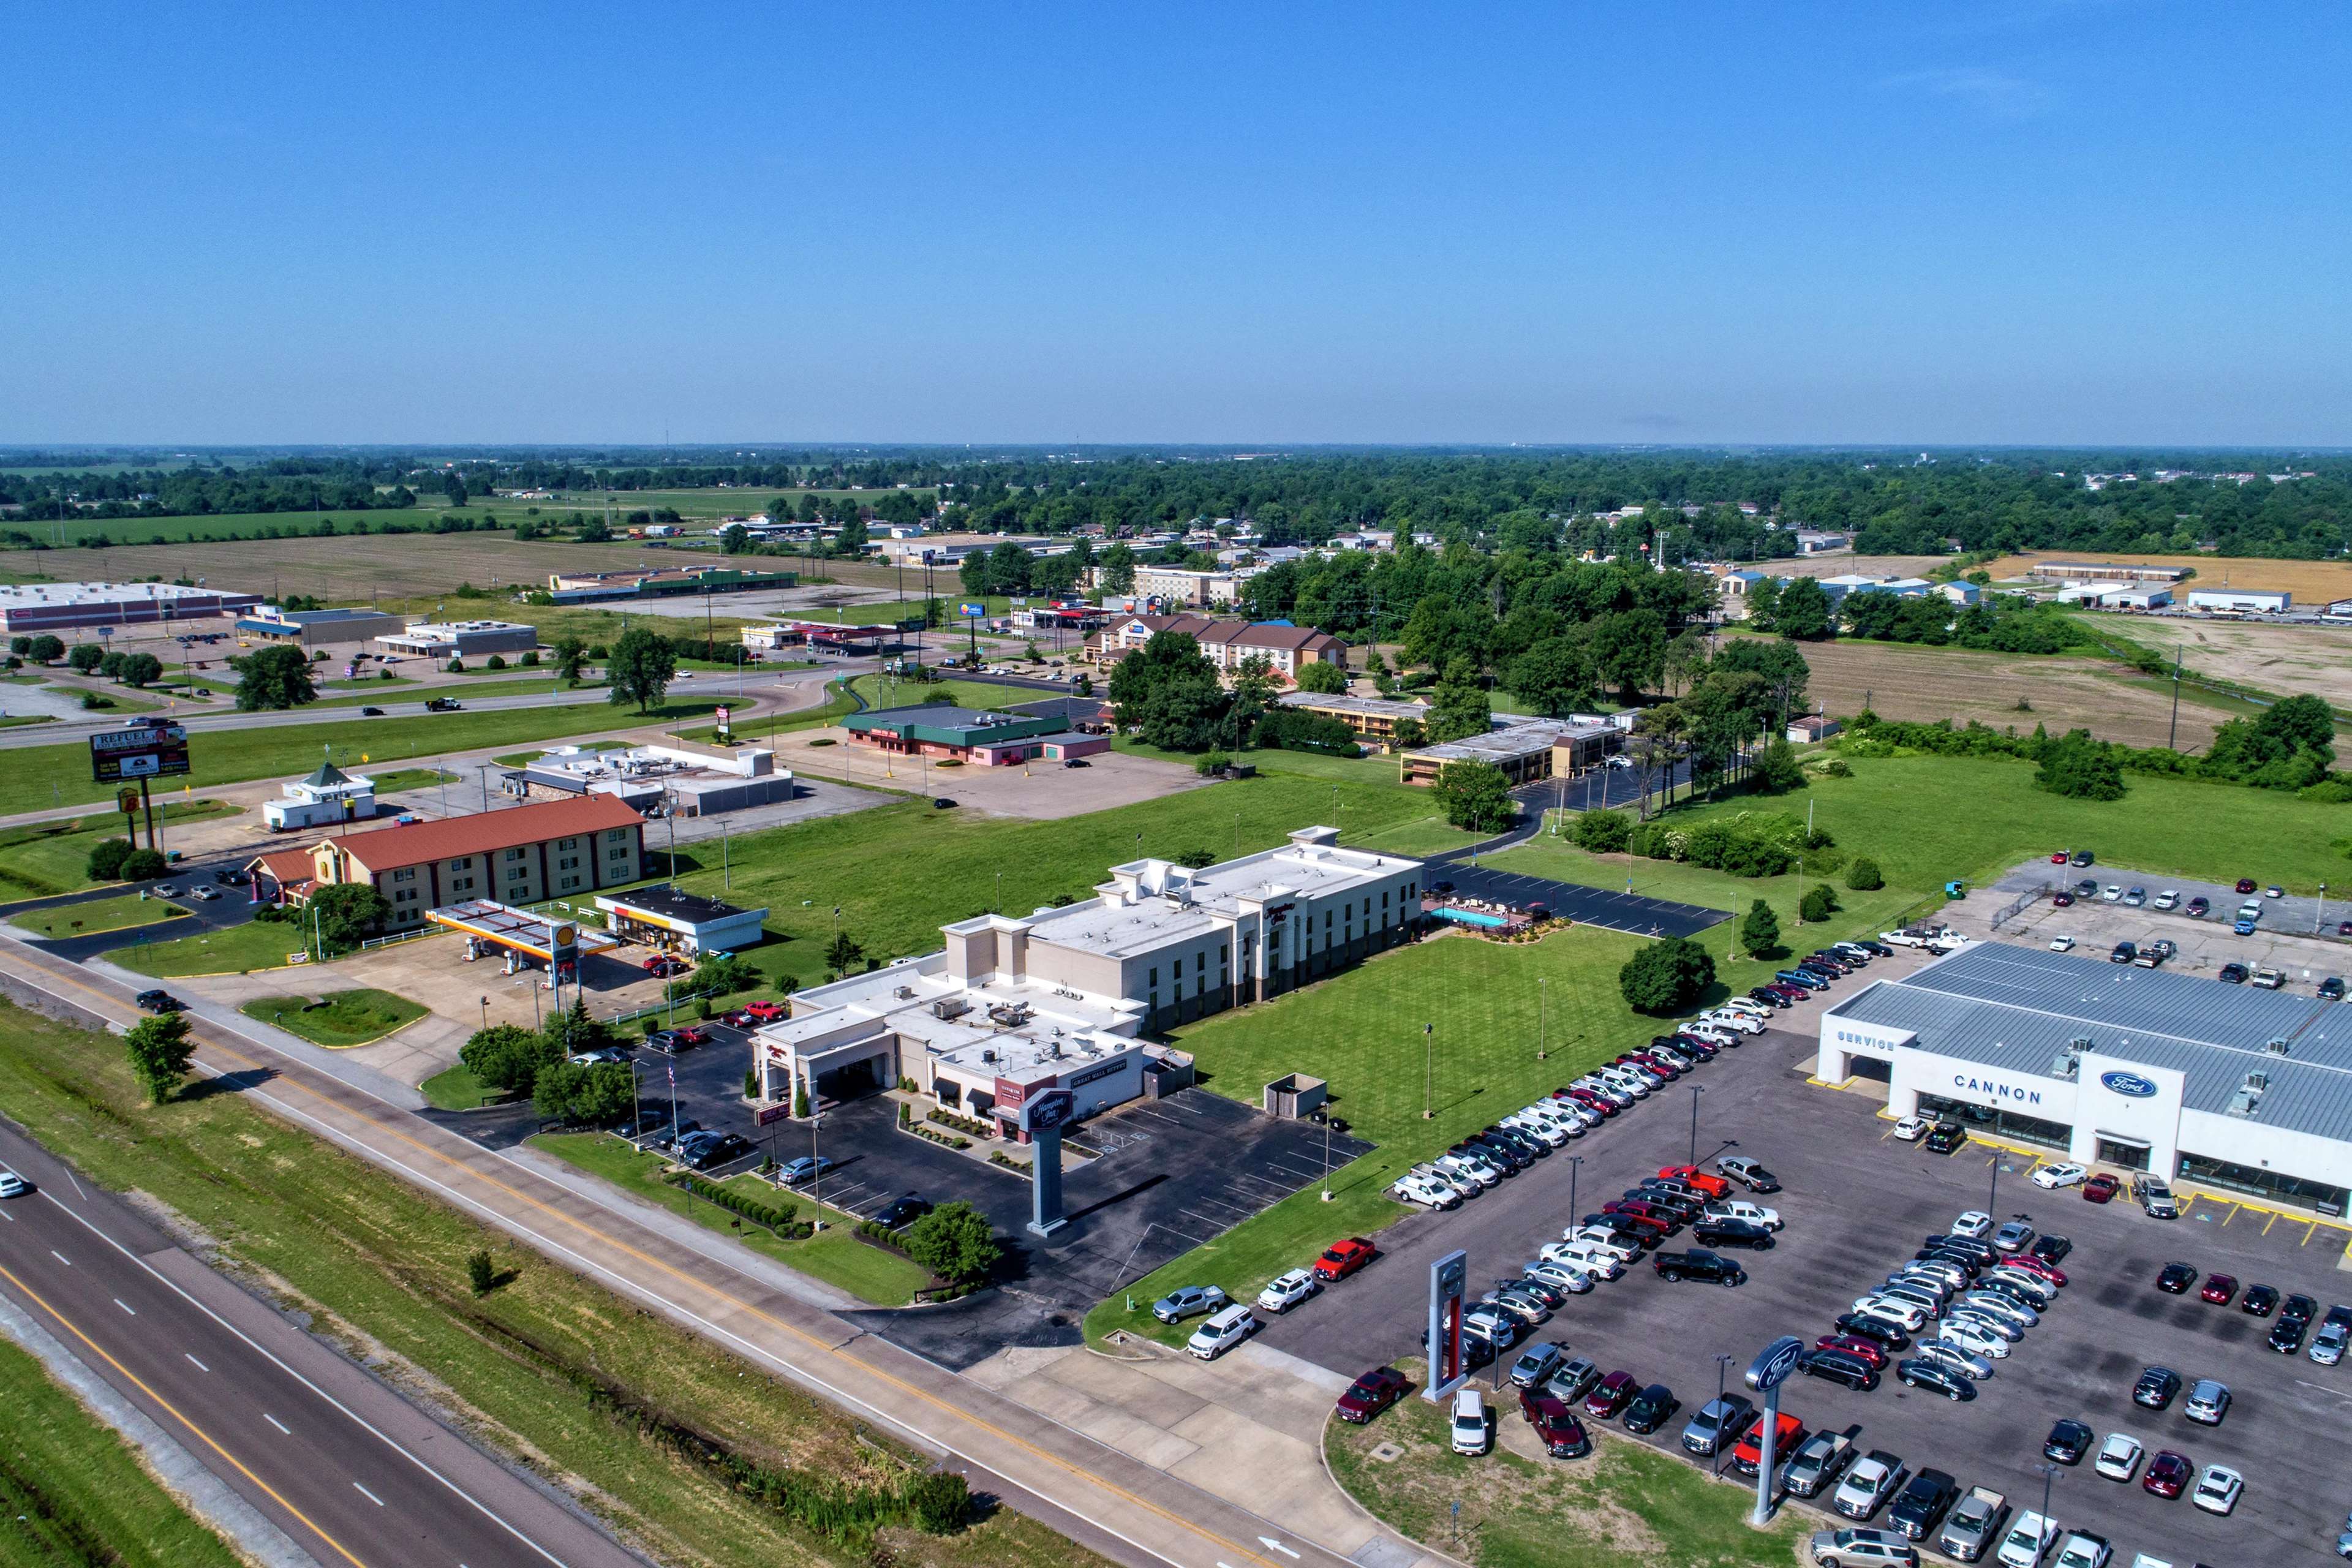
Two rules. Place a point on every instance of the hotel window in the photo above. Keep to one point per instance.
(407, 874)
(462, 863)
(567, 843)
(514, 854)
(617, 834)
(618, 852)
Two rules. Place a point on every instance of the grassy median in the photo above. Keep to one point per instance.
(73, 1493)
(41, 859)
(381, 1269)
(96, 915)
(338, 1020)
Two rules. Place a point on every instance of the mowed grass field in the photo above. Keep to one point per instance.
(73, 1493)
(1492, 1006)
(232, 756)
(338, 1020)
(38, 859)
(97, 915)
(376, 1261)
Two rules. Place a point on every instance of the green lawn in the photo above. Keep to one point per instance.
(17, 720)
(373, 1259)
(256, 944)
(880, 691)
(835, 1255)
(836, 704)
(97, 915)
(457, 1088)
(337, 1019)
(230, 756)
(803, 872)
(1627, 1504)
(398, 779)
(40, 859)
(506, 684)
(1926, 820)
(1493, 1003)
(76, 1494)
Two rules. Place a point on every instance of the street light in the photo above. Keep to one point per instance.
(1575, 1163)
(1695, 1092)
(1542, 996)
(2048, 1473)
(1429, 1072)
(1721, 1361)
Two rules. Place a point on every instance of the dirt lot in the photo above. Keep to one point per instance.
(2290, 659)
(2065, 692)
(1042, 790)
(1845, 560)
(349, 567)
(2308, 581)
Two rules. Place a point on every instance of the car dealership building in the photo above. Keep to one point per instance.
(2143, 1070)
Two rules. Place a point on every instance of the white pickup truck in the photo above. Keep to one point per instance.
(1973, 1525)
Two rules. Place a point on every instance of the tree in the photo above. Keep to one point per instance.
(1459, 707)
(46, 650)
(1803, 611)
(1776, 768)
(1781, 664)
(1408, 734)
(852, 540)
(1667, 976)
(1324, 678)
(110, 663)
(1864, 875)
(142, 864)
(1250, 699)
(481, 1271)
(1817, 904)
(160, 1053)
(141, 669)
(273, 677)
(83, 658)
(1759, 933)
(347, 913)
(1629, 650)
(1554, 677)
(2078, 766)
(641, 668)
(593, 1093)
(734, 538)
(1169, 691)
(1114, 569)
(106, 858)
(453, 486)
(570, 654)
(1474, 796)
(573, 1031)
(1601, 832)
(955, 1242)
(842, 951)
(508, 1057)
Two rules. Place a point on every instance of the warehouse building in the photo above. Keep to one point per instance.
(656, 779)
(1371, 718)
(983, 737)
(2241, 601)
(443, 640)
(316, 629)
(657, 583)
(1014, 1005)
(2141, 1070)
(32, 607)
(513, 856)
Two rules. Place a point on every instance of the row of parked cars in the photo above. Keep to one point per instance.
(1982, 1286)
(2295, 1311)
(1230, 1323)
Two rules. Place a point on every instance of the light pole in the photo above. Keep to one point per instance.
(2048, 1473)
(1696, 1089)
(1722, 1359)
(486, 1012)
(1575, 1163)
(816, 1167)
(1429, 1072)
(2319, 917)
(1542, 1009)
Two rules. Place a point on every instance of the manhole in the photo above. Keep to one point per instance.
(1388, 1453)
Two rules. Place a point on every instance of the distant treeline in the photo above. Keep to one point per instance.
(1696, 504)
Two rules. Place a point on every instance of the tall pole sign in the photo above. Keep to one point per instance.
(1449, 1278)
(1765, 1374)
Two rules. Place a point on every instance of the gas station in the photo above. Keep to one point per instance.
(525, 940)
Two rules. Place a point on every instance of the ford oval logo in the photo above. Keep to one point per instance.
(2128, 1084)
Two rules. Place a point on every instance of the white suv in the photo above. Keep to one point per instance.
(1222, 1332)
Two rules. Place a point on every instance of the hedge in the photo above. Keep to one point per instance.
(782, 1221)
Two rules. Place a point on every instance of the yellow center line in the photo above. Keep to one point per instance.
(174, 1411)
(818, 1345)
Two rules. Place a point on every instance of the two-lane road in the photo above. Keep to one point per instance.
(354, 1474)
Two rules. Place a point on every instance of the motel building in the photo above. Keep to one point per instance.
(2136, 1069)
(1014, 1005)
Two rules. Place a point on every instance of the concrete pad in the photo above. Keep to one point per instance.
(1041, 790)
(1263, 1389)
(1126, 1386)
(1277, 1477)
(1161, 1449)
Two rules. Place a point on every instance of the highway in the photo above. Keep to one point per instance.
(355, 1476)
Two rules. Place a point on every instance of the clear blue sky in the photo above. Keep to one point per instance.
(1105, 223)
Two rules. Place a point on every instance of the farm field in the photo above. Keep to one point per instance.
(2289, 660)
(2308, 581)
(347, 569)
(2066, 691)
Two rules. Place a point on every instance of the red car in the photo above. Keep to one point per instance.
(1345, 1258)
(2245, 884)
(2026, 1263)
(1371, 1394)
(1613, 1392)
(1854, 1345)
(1713, 1186)
(2061, 858)
(664, 965)
(1557, 1427)
(689, 1036)
(751, 1014)
(1649, 1213)
(2219, 1290)
(2168, 1473)
(2100, 1188)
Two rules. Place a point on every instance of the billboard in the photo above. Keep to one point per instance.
(147, 749)
(971, 611)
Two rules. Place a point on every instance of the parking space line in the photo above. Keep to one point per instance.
(2269, 1222)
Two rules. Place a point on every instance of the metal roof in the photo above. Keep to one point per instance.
(2016, 1008)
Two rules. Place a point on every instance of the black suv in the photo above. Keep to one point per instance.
(1923, 1503)
(158, 1001)
(1840, 1366)
(1945, 1137)
(2156, 1388)
(1732, 1232)
(1650, 1409)
(2068, 1442)
(1701, 1266)
(903, 1212)
(722, 1150)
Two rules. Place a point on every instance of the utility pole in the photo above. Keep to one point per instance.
(2172, 735)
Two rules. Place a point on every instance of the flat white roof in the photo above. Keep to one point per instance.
(24, 594)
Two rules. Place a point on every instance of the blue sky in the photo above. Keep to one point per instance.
(2029, 223)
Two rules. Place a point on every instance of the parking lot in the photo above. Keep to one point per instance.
(2284, 940)
(1857, 1203)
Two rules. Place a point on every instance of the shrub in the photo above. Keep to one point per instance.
(106, 858)
(531, 659)
(140, 864)
(1667, 976)
(1864, 875)
(1759, 933)
(1817, 904)
(1601, 832)
(481, 1271)
(495, 661)
(1208, 764)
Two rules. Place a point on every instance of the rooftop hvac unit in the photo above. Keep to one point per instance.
(904, 993)
(2258, 1080)
(988, 1057)
(949, 1008)
(2068, 1062)
(2276, 1045)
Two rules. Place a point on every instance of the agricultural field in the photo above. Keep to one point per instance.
(347, 569)
(2289, 660)
(2309, 581)
(2063, 691)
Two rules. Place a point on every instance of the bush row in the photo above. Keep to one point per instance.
(783, 1220)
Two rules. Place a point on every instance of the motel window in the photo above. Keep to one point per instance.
(567, 843)
(1384, 899)
(1155, 977)
(617, 834)
(407, 874)
(514, 854)
(462, 863)
(1200, 962)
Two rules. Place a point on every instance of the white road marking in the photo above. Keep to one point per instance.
(1277, 1545)
(277, 1423)
(369, 1495)
(61, 1258)
(119, 1301)
(198, 1364)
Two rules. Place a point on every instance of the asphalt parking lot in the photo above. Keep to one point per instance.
(1857, 1203)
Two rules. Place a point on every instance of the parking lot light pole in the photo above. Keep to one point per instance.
(1575, 1163)
(1722, 1359)
(1429, 1072)
(1542, 1013)
(2048, 1473)
(1695, 1092)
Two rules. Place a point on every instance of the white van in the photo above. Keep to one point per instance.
(1222, 1332)
(1469, 1432)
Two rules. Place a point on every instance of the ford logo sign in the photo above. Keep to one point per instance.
(1774, 1362)
(2128, 1084)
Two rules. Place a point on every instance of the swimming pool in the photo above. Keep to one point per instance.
(1472, 917)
